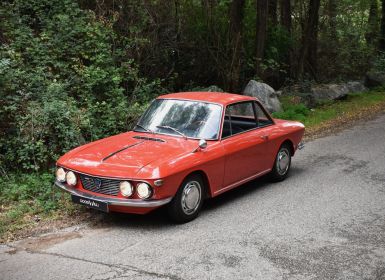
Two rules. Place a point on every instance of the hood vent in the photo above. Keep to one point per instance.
(149, 138)
(122, 149)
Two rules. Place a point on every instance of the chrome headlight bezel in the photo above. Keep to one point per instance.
(143, 190)
(71, 178)
(60, 174)
(126, 188)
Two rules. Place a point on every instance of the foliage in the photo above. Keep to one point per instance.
(354, 104)
(293, 112)
(27, 198)
(63, 82)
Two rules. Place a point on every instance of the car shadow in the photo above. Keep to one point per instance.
(158, 219)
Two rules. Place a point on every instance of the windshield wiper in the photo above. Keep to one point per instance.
(173, 129)
(145, 128)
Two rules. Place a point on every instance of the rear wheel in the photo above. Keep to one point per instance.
(188, 201)
(282, 164)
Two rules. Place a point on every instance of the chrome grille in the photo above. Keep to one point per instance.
(100, 185)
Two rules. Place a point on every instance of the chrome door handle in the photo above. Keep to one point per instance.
(264, 137)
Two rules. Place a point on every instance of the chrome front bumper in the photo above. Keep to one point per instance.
(116, 201)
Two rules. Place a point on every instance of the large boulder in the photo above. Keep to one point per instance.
(375, 79)
(356, 86)
(329, 92)
(265, 93)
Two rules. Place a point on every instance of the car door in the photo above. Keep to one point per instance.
(244, 143)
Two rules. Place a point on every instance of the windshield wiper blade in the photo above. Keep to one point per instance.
(173, 129)
(145, 128)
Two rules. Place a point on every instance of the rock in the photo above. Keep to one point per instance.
(356, 86)
(265, 93)
(329, 92)
(375, 79)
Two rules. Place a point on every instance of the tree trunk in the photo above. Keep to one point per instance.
(262, 11)
(286, 15)
(332, 13)
(285, 19)
(310, 40)
(273, 12)
(236, 19)
(382, 40)
(371, 35)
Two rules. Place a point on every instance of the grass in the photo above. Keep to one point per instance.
(354, 104)
(27, 199)
(30, 201)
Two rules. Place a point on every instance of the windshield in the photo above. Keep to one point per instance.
(181, 117)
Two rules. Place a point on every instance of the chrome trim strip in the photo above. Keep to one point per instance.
(233, 185)
(122, 149)
(116, 201)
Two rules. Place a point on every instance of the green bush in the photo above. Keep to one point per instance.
(297, 112)
(63, 81)
(34, 191)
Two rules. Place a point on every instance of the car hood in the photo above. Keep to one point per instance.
(124, 155)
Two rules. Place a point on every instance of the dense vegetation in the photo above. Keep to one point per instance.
(72, 71)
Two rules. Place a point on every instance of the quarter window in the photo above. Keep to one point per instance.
(239, 117)
(263, 118)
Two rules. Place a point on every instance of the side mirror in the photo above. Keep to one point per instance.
(202, 144)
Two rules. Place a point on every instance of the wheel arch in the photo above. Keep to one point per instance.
(290, 144)
(205, 179)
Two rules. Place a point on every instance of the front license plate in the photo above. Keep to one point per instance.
(92, 203)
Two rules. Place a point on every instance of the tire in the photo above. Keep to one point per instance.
(282, 164)
(188, 201)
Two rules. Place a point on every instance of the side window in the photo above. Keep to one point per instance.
(239, 117)
(263, 118)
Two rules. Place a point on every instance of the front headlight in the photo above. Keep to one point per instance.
(60, 175)
(126, 188)
(71, 178)
(144, 190)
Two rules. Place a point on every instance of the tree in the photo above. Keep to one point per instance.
(236, 19)
(382, 40)
(285, 20)
(332, 13)
(273, 5)
(309, 48)
(262, 12)
(286, 15)
(371, 34)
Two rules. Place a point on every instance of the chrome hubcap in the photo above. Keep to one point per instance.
(191, 197)
(283, 161)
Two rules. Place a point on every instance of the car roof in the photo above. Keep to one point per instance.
(212, 97)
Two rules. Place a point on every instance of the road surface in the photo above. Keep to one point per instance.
(326, 221)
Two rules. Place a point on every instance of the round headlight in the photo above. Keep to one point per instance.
(60, 174)
(71, 178)
(144, 190)
(126, 188)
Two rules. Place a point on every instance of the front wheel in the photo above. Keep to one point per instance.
(188, 201)
(282, 164)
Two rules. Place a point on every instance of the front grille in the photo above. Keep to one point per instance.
(100, 185)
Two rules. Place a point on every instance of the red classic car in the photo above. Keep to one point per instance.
(186, 147)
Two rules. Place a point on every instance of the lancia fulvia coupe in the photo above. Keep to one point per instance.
(186, 147)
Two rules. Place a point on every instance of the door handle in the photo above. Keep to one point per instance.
(264, 137)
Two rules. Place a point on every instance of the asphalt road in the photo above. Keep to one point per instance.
(326, 221)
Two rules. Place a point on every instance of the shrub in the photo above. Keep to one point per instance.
(63, 82)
